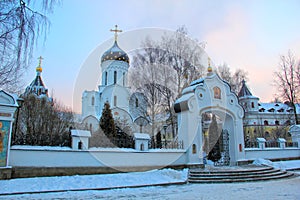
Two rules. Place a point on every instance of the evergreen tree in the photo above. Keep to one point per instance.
(107, 122)
(213, 140)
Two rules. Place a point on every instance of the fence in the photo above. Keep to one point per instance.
(291, 144)
(271, 144)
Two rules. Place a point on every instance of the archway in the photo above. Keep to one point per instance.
(210, 95)
(217, 135)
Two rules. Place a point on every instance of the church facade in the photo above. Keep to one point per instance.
(125, 106)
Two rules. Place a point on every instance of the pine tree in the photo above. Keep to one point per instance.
(213, 140)
(107, 122)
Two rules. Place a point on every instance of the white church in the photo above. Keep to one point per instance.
(114, 90)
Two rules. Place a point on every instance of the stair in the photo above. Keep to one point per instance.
(236, 174)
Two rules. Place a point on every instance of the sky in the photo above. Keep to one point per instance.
(249, 35)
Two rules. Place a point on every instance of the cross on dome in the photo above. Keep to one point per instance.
(116, 30)
(39, 67)
(209, 69)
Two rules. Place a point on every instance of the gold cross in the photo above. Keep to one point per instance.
(116, 32)
(40, 60)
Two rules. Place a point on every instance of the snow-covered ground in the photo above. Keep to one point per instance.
(83, 182)
(280, 189)
(283, 165)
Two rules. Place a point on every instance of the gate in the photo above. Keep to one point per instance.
(225, 157)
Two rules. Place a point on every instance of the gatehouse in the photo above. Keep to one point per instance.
(206, 97)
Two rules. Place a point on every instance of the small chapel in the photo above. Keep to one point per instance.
(114, 89)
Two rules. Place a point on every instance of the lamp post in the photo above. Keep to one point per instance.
(165, 129)
(20, 103)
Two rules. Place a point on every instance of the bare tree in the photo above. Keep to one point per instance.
(20, 28)
(184, 56)
(161, 69)
(287, 81)
(235, 79)
(43, 122)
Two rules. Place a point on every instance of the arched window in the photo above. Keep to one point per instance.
(266, 122)
(217, 93)
(136, 102)
(194, 148)
(115, 100)
(105, 78)
(276, 122)
(91, 127)
(115, 77)
(93, 101)
(252, 104)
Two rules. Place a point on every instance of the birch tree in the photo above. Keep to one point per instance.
(21, 26)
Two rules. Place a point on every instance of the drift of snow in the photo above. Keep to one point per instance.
(283, 165)
(104, 181)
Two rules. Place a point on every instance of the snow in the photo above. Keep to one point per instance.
(26, 147)
(142, 136)
(283, 165)
(275, 189)
(80, 133)
(184, 98)
(110, 149)
(103, 181)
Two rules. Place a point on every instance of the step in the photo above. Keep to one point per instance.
(230, 175)
(233, 174)
(242, 170)
(235, 177)
(285, 175)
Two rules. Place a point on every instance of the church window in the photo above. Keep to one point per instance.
(136, 102)
(217, 93)
(115, 77)
(115, 100)
(91, 127)
(252, 104)
(93, 101)
(194, 148)
(276, 122)
(266, 122)
(105, 78)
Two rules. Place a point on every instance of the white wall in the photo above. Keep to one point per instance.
(111, 158)
(272, 153)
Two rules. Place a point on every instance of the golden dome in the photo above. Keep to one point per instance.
(39, 67)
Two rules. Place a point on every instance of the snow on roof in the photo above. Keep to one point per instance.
(275, 107)
(80, 133)
(260, 139)
(143, 136)
(281, 140)
(195, 82)
(184, 97)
